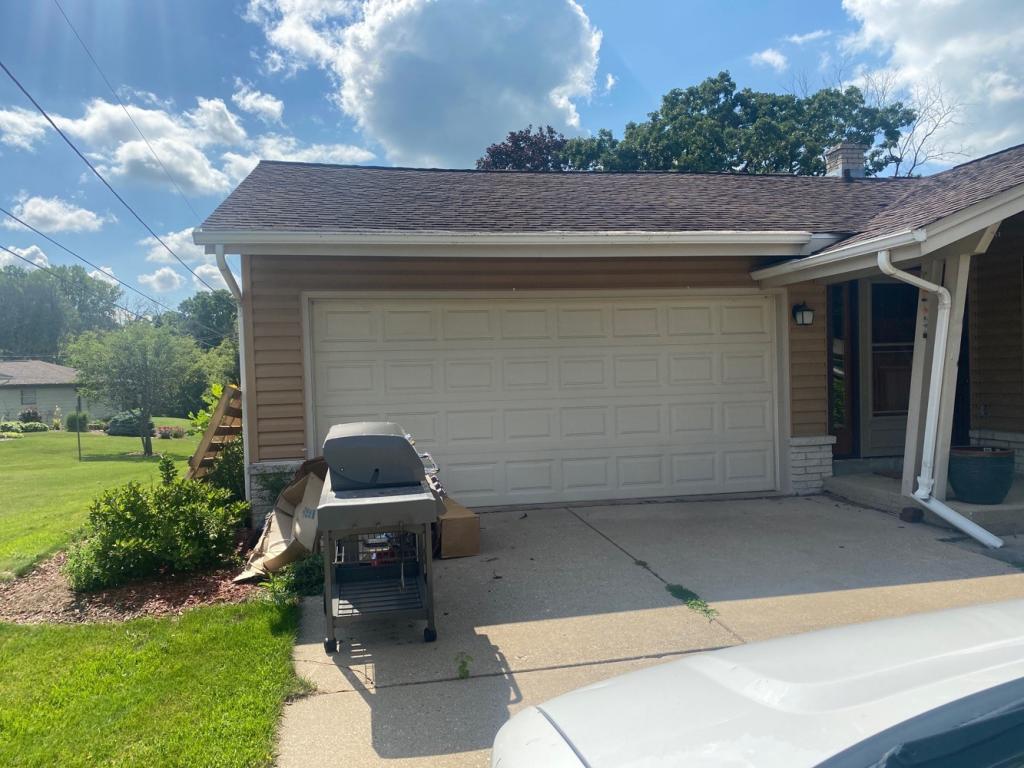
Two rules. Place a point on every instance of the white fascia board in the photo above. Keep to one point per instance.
(241, 238)
(835, 262)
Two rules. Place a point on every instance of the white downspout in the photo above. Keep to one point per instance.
(232, 284)
(926, 480)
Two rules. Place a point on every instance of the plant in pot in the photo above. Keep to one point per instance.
(981, 474)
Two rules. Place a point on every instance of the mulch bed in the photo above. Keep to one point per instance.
(43, 596)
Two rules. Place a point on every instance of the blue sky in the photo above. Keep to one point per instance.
(217, 85)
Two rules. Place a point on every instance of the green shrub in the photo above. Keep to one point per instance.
(29, 414)
(134, 533)
(98, 425)
(126, 424)
(34, 426)
(10, 426)
(228, 471)
(77, 422)
(201, 419)
(10, 435)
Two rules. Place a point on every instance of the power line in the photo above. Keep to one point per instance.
(114, 93)
(111, 275)
(60, 277)
(98, 175)
(121, 307)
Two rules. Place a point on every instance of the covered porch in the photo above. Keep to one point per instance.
(925, 337)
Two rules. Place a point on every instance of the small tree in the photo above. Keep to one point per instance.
(138, 367)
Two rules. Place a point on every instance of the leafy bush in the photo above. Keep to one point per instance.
(10, 426)
(126, 424)
(10, 435)
(133, 532)
(228, 471)
(98, 425)
(29, 414)
(34, 426)
(167, 432)
(201, 419)
(77, 422)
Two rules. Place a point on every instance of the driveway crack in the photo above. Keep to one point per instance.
(646, 566)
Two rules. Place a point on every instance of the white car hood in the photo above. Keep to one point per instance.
(788, 702)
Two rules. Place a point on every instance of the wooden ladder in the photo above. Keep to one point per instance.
(225, 425)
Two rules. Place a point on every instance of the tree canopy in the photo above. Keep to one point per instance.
(40, 311)
(715, 127)
(139, 367)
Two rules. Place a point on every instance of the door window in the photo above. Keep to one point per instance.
(893, 316)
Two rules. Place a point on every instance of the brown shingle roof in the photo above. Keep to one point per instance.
(332, 198)
(946, 193)
(27, 373)
(307, 197)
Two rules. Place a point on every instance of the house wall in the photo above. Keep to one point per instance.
(997, 341)
(274, 347)
(48, 398)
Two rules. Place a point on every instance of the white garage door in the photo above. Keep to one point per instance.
(561, 398)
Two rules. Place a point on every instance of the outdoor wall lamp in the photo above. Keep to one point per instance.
(802, 314)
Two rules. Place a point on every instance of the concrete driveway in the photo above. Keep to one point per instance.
(560, 598)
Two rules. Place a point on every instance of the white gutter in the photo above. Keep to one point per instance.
(229, 278)
(370, 237)
(232, 284)
(926, 480)
(842, 253)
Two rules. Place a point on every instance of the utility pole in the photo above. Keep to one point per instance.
(78, 424)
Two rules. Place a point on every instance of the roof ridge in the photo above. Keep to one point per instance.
(582, 174)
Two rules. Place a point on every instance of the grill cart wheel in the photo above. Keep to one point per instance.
(330, 645)
(429, 635)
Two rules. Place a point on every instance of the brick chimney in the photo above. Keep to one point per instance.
(845, 159)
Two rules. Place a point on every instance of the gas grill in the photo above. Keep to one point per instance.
(374, 520)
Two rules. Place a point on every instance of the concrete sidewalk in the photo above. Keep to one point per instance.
(560, 598)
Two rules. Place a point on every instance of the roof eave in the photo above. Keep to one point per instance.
(240, 240)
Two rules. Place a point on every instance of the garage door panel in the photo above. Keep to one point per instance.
(562, 398)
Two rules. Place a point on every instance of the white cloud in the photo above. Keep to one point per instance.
(209, 274)
(180, 242)
(435, 83)
(51, 214)
(972, 49)
(770, 57)
(267, 107)
(609, 81)
(808, 37)
(205, 150)
(33, 253)
(163, 280)
(21, 128)
(105, 274)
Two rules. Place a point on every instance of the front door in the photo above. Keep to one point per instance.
(888, 312)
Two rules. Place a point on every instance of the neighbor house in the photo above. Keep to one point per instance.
(47, 387)
(583, 336)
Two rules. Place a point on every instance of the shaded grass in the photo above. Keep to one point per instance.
(45, 491)
(203, 689)
(693, 601)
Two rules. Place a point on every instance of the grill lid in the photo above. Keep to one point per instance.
(371, 454)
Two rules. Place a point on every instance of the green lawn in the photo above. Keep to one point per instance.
(45, 491)
(204, 689)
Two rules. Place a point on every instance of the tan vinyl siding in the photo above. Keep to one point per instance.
(997, 332)
(808, 363)
(273, 285)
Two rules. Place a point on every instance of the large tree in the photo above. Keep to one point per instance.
(526, 150)
(40, 311)
(715, 127)
(209, 317)
(139, 367)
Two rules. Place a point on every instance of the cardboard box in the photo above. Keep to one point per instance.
(460, 530)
